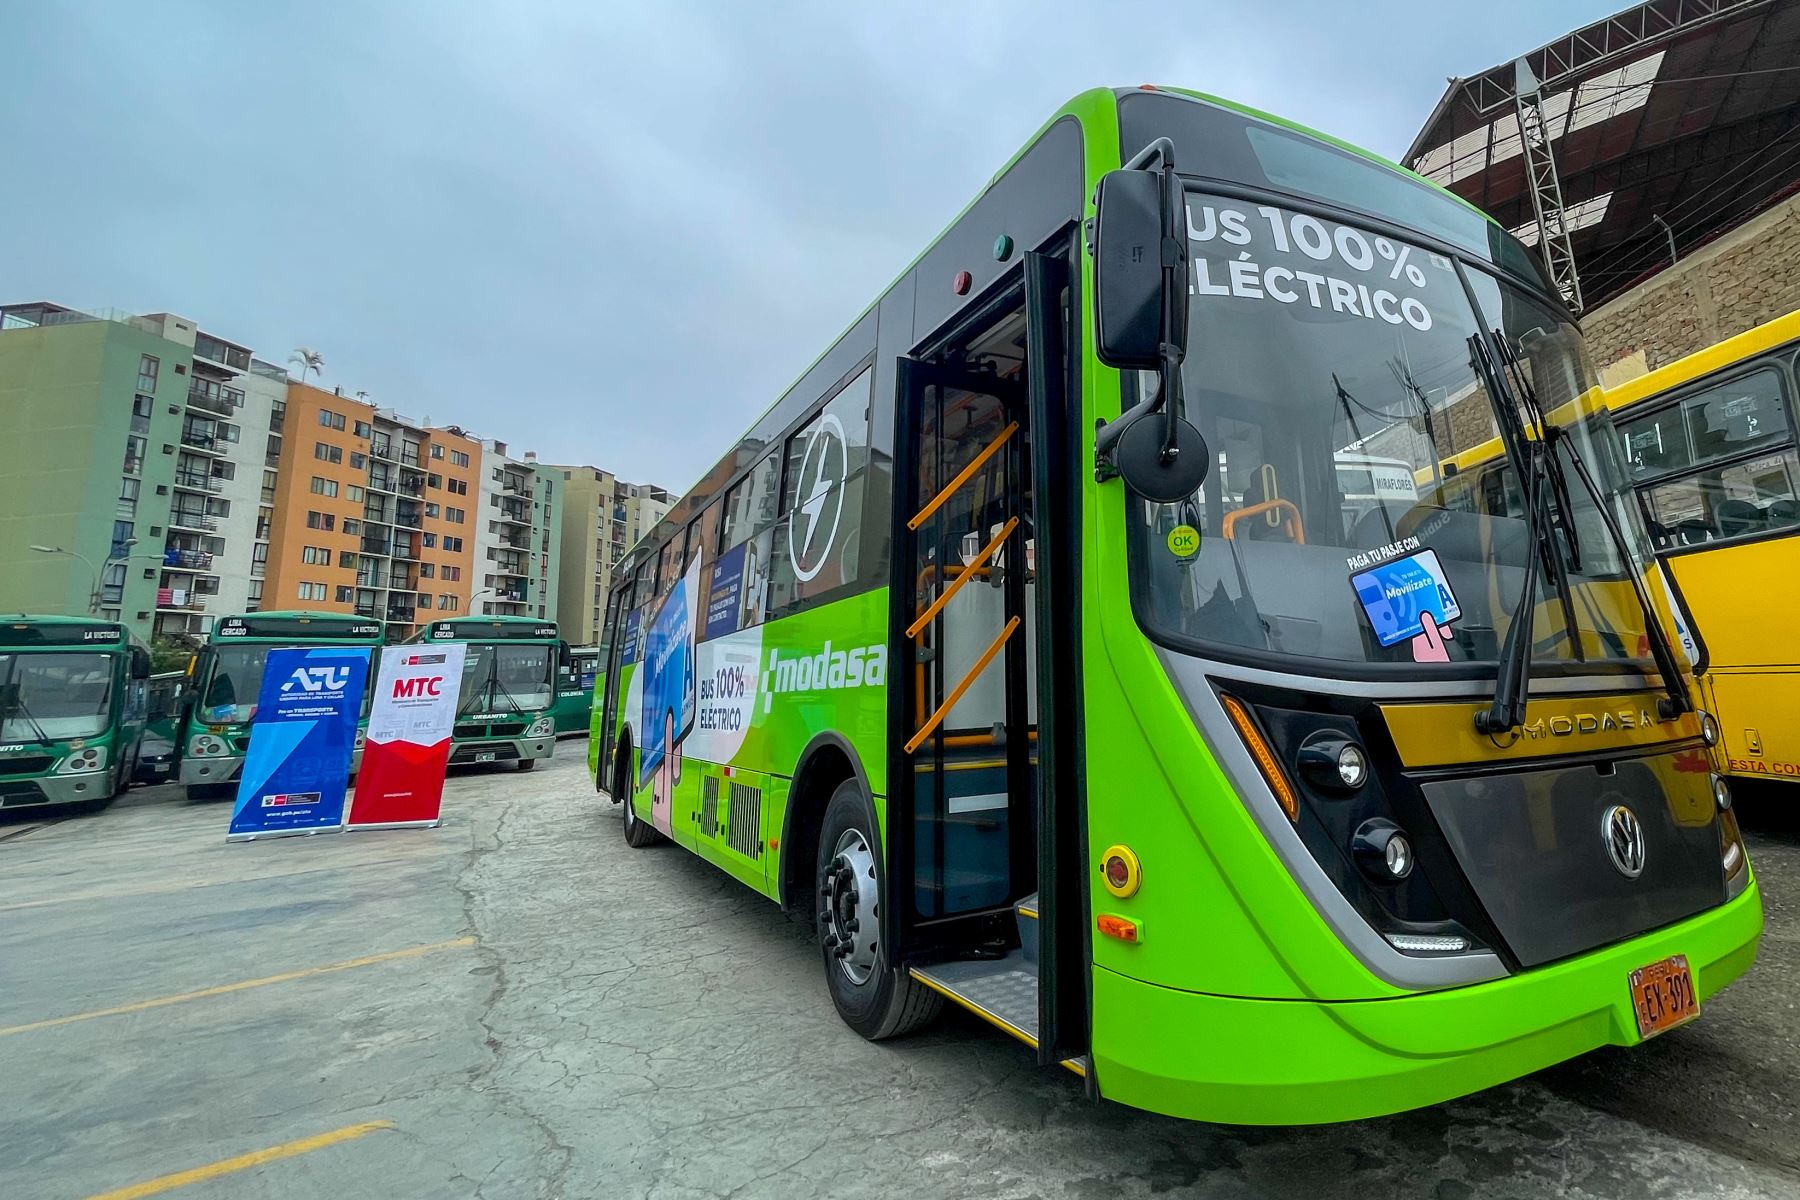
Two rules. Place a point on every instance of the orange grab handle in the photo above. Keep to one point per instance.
(1285, 507)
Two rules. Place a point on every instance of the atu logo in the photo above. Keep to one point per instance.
(419, 685)
(318, 679)
(819, 498)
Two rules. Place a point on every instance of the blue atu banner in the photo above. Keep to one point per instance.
(301, 739)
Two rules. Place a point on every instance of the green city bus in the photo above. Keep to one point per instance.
(228, 674)
(72, 709)
(505, 706)
(574, 711)
(1044, 646)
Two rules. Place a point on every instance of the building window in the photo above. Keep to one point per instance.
(454, 515)
(326, 452)
(355, 493)
(352, 526)
(437, 452)
(451, 575)
(362, 429)
(148, 367)
(313, 591)
(433, 479)
(431, 510)
(430, 540)
(426, 570)
(449, 603)
(315, 556)
(459, 486)
(458, 459)
(346, 558)
(453, 544)
(319, 520)
(324, 487)
(344, 593)
(330, 420)
(359, 462)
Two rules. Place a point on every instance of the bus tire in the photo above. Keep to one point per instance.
(849, 880)
(638, 833)
(525, 764)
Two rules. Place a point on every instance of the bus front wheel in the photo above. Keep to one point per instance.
(869, 994)
(525, 764)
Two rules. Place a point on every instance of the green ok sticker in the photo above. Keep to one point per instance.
(1184, 541)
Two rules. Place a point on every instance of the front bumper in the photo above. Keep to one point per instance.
(502, 750)
(1285, 1062)
(225, 768)
(35, 790)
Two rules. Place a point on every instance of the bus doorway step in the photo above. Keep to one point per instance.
(1003, 992)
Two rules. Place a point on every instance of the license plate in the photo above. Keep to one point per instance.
(484, 756)
(1662, 994)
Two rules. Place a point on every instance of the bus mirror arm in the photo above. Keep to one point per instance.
(1140, 310)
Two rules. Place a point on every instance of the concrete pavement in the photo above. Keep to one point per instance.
(632, 1023)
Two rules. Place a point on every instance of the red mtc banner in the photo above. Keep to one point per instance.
(402, 778)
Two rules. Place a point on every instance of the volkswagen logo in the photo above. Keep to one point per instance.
(1624, 838)
(818, 498)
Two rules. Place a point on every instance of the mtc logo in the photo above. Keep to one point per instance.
(318, 679)
(418, 685)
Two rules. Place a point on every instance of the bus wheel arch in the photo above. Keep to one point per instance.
(824, 765)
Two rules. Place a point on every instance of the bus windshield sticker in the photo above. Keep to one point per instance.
(1184, 541)
(1398, 595)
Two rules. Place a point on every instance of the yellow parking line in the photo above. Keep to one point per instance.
(242, 985)
(243, 1162)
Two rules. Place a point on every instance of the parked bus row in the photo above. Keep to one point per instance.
(82, 717)
(1199, 608)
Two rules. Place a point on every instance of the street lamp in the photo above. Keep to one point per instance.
(94, 575)
(476, 596)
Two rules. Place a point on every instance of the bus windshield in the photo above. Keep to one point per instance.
(230, 693)
(506, 677)
(54, 695)
(1361, 505)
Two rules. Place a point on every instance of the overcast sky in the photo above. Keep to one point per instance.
(606, 232)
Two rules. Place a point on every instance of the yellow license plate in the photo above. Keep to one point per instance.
(1662, 995)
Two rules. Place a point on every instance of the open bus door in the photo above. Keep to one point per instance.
(985, 838)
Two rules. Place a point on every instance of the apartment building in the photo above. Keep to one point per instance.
(602, 518)
(517, 538)
(123, 488)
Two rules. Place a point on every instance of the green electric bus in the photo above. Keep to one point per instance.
(72, 709)
(227, 678)
(506, 704)
(574, 711)
(1046, 646)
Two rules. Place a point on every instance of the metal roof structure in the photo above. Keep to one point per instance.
(1630, 141)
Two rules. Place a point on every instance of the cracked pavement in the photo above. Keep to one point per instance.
(633, 1023)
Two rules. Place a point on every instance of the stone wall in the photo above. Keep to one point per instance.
(1749, 276)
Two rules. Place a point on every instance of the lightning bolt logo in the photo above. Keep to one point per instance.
(821, 502)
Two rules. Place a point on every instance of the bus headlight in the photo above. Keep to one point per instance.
(206, 744)
(1382, 850)
(1333, 763)
(541, 727)
(362, 737)
(1721, 793)
(93, 758)
(1709, 728)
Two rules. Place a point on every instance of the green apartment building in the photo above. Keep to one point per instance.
(89, 404)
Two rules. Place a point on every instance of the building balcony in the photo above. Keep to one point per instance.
(406, 549)
(515, 541)
(204, 443)
(403, 615)
(381, 447)
(379, 546)
(198, 522)
(220, 401)
(187, 560)
(515, 486)
(194, 481)
(412, 487)
(179, 600)
(380, 481)
(515, 516)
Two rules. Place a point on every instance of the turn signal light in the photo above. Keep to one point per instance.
(1265, 757)
(1118, 927)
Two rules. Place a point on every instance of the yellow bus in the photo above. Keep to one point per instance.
(1709, 448)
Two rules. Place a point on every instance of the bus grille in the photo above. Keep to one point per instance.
(501, 752)
(29, 764)
(21, 791)
(709, 805)
(746, 820)
(496, 729)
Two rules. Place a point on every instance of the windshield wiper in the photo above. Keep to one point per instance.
(1512, 681)
(12, 704)
(1661, 650)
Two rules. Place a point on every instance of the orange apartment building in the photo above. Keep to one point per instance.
(373, 514)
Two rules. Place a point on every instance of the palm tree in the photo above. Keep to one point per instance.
(309, 360)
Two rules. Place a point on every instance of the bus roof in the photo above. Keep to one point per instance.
(295, 624)
(1099, 152)
(490, 629)
(1716, 357)
(24, 630)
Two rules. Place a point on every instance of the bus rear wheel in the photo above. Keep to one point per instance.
(869, 994)
(638, 833)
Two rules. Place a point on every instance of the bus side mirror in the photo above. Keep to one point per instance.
(1129, 228)
(565, 662)
(140, 663)
(1141, 323)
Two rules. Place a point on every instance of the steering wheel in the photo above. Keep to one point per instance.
(1290, 525)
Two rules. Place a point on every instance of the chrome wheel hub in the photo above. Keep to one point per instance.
(850, 907)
